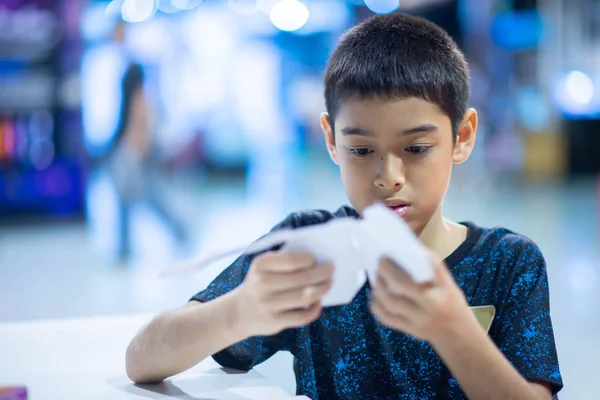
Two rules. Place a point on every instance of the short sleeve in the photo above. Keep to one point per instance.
(254, 350)
(523, 331)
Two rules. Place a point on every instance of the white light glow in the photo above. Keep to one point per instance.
(575, 94)
(382, 6)
(138, 10)
(579, 87)
(289, 15)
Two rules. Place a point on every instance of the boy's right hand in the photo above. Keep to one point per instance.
(282, 290)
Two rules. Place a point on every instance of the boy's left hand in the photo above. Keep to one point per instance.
(426, 311)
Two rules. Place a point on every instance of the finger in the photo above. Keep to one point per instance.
(299, 298)
(318, 275)
(442, 274)
(399, 281)
(386, 318)
(283, 261)
(300, 317)
(395, 304)
(441, 269)
(393, 271)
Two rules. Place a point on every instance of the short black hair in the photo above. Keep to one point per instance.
(398, 56)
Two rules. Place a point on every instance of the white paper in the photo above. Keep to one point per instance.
(354, 247)
(335, 242)
(385, 234)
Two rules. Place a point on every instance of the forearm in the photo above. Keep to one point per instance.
(481, 369)
(177, 340)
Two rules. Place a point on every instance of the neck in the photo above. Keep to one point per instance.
(441, 235)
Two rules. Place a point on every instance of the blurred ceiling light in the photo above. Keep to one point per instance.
(580, 87)
(244, 6)
(138, 10)
(289, 15)
(576, 96)
(185, 4)
(382, 6)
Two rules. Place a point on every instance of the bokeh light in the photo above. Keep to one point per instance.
(382, 6)
(138, 10)
(289, 15)
(580, 87)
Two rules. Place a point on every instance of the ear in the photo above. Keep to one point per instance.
(329, 136)
(465, 140)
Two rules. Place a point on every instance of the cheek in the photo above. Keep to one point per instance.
(354, 175)
(357, 179)
(430, 179)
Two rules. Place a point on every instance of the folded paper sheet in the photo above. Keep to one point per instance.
(354, 246)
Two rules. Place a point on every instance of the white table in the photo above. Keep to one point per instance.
(85, 359)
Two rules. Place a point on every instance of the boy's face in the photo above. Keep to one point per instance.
(399, 152)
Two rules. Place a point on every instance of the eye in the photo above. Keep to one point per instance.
(417, 149)
(360, 152)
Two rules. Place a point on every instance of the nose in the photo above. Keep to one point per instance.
(390, 176)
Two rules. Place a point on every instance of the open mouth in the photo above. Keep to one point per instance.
(401, 209)
(397, 205)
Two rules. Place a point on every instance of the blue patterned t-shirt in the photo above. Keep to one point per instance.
(346, 354)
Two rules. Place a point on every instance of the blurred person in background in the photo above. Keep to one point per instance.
(129, 161)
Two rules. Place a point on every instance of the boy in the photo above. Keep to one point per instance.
(396, 90)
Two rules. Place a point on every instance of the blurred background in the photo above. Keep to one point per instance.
(221, 100)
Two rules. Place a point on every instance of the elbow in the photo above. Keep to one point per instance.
(135, 376)
(134, 367)
(141, 379)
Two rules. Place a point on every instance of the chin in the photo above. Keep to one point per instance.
(419, 226)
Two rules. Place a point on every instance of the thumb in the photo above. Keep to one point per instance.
(440, 269)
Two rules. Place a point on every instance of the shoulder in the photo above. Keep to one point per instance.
(506, 246)
(511, 264)
(313, 217)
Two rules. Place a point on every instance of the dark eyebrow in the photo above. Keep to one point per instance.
(420, 129)
(412, 131)
(356, 131)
